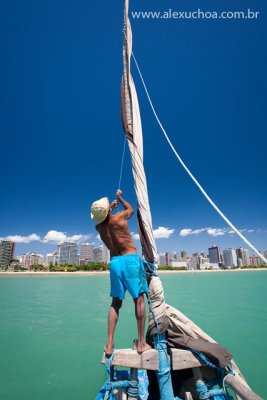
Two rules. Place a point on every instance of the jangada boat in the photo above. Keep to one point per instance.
(185, 363)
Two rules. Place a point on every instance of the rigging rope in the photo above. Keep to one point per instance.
(191, 175)
(122, 161)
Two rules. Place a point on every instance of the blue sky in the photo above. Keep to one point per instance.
(60, 123)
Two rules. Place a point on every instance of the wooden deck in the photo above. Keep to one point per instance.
(179, 360)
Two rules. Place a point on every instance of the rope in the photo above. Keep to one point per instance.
(191, 175)
(122, 161)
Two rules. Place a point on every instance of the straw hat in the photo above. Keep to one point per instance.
(100, 210)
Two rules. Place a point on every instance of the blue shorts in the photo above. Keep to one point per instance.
(127, 273)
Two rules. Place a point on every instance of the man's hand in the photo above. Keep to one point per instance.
(114, 205)
(128, 209)
(118, 193)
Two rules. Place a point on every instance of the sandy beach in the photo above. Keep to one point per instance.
(79, 273)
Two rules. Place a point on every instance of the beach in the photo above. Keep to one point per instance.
(79, 273)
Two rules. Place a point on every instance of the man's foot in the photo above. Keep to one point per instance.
(108, 349)
(142, 346)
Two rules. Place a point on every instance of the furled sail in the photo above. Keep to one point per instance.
(133, 129)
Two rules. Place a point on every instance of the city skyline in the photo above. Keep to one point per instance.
(68, 253)
(207, 81)
(167, 239)
(83, 248)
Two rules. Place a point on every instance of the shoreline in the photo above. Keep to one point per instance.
(80, 273)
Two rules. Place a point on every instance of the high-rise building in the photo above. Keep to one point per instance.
(243, 257)
(68, 253)
(51, 258)
(255, 261)
(6, 252)
(214, 255)
(86, 252)
(192, 263)
(184, 254)
(102, 254)
(167, 258)
(229, 258)
(29, 259)
(162, 259)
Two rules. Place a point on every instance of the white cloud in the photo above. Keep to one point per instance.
(216, 231)
(187, 232)
(77, 238)
(210, 231)
(54, 236)
(241, 230)
(98, 237)
(23, 239)
(162, 233)
(57, 237)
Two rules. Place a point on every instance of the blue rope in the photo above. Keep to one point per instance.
(204, 359)
(150, 268)
(132, 390)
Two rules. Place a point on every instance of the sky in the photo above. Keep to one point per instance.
(60, 122)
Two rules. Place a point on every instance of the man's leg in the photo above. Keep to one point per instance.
(113, 316)
(140, 313)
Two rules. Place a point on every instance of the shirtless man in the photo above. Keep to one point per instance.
(126, 267)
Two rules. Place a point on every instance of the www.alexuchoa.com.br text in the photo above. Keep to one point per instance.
(196, 14)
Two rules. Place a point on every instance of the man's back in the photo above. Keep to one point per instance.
(115, 233)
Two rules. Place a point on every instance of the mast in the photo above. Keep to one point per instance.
(133, 129)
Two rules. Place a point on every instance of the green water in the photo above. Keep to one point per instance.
(53, 328)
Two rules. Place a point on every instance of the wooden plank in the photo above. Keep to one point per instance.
(242, 390)
(183, 359)
(131, 359)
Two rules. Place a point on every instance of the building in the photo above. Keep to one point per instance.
(192, 263)
(52, 258)
(86, 253)
(174, 256)
(255, 261)
(184, 254)
(229, 258)
(29, 259)
(68, 253)
(214, 255)
(167, 258)
(242, 257)
(7, 249)
(209, 266)
(162, 259)
(179, 264)
(102, 254)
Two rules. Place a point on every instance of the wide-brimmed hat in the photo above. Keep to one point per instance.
(100, 210)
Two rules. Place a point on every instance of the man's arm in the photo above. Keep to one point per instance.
(127, 206)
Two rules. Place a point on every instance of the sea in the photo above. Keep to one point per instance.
(53, 328)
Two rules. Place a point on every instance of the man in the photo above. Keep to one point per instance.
(126, 267)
